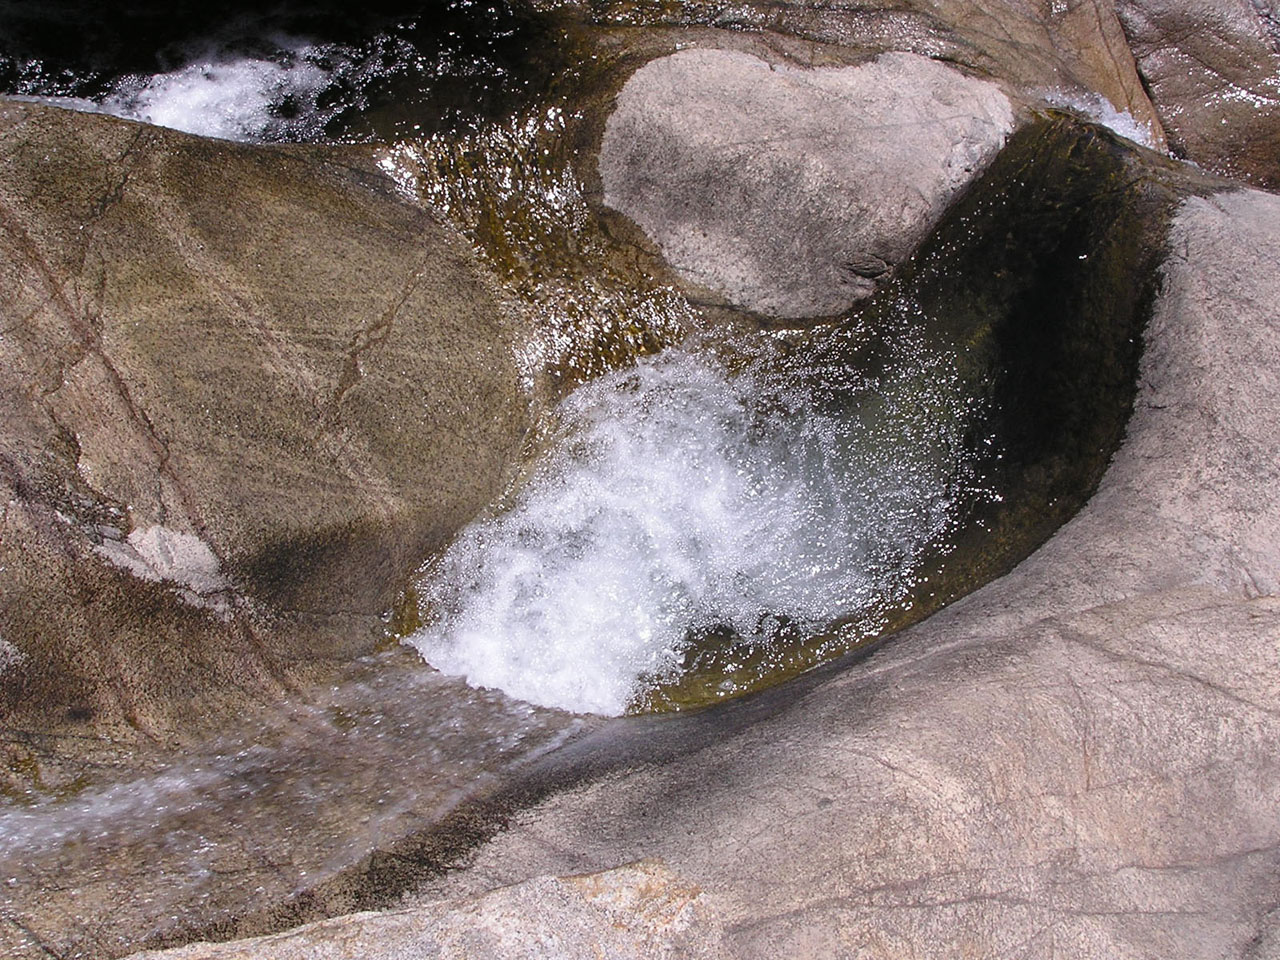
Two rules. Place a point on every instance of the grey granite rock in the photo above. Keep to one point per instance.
(640, 911)
(776, 186)
(1213, 70)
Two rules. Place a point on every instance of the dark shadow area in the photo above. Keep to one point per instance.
(393, 67)
(1043, 276)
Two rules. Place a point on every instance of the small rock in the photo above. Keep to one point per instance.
(756, 179)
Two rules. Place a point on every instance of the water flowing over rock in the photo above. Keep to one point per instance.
(1077, 757)
(246, 391)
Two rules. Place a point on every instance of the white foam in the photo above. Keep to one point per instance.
(676, 497)
(1100, 110)
(229, 97)
(231, 101)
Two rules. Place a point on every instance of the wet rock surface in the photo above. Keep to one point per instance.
(1076, 757)
(245, 392)
(1213, 69)
(276, 819)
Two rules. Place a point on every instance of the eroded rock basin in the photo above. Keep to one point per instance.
(361, 792)
(1029, 770)
(738, 508)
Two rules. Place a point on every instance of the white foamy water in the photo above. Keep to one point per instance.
(228, 97)
(678, 497)
(1100, 110)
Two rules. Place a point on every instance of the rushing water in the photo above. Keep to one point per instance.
(290, 801)
(274, 96)
(699, 510)
(690, 498)
(310, 72)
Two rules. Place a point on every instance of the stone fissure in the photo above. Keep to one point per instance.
(89, 338)
(374, 335)
(1085, 640)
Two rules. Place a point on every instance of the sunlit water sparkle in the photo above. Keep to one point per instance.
(686, 496)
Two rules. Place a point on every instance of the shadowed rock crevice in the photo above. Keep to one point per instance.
(1046, 270)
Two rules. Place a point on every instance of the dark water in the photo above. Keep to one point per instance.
(313, 72)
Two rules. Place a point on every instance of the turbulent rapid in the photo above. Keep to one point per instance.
(691, 499)
(282, 72)
(270, 97)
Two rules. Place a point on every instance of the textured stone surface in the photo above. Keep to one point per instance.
(1213, 69)
(789, 191)
(1072, 48)
(1078, 759)
(1204, 72)
(343, 805)
(244, 392)
(636, 912)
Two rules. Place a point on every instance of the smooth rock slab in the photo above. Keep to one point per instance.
(636, 912)
(243, 391)
(791, 191)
